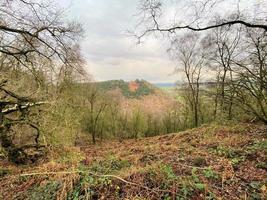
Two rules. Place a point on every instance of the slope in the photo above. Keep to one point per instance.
(210, 162)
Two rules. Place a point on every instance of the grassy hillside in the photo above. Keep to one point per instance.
(133, 89)
(210, 162)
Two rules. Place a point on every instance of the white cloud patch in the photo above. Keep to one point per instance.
(109, 52)
(113, 55)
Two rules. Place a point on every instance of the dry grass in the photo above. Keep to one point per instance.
(210, 162)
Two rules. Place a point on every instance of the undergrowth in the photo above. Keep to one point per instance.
(190, 165)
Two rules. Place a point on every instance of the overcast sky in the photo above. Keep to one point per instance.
(112, 54)
(109, 52)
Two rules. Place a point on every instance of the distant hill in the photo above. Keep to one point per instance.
(172, 85)
(132, 89)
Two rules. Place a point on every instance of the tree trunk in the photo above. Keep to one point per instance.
(93, 137)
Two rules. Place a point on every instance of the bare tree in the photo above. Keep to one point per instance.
(187, 51)
(32, 30)
(241, 73)
(224, 41)
(97, 106)
(250, 70)
(137, 123)
(34, 40)
(202, 16)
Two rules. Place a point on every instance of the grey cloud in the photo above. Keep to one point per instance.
(110, 53)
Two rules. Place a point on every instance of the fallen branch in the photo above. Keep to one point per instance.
(19, 107)
(98, 175)
(50, 173)
(85, 172)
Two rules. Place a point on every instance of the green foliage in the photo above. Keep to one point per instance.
(185, 192)
(197, 183)
(255, 190)
(226, 152)
(138, 125)
(200, 186)
(167, 197)
(235, 156)
(237, 160)
(44, 192)
(262, 165)
(109, 165)
(144, 88)
(3, 153)
(168, 172)
(90, 186)
(61, 118)
(194, 175)
(70, 156)
(160, 175)
(4, 172)
(209, 173)
(257, 145)
(192, 185)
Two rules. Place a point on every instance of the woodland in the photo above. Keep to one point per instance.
(65, 136)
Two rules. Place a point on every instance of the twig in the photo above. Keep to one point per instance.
(50, 173)
(98, 175)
